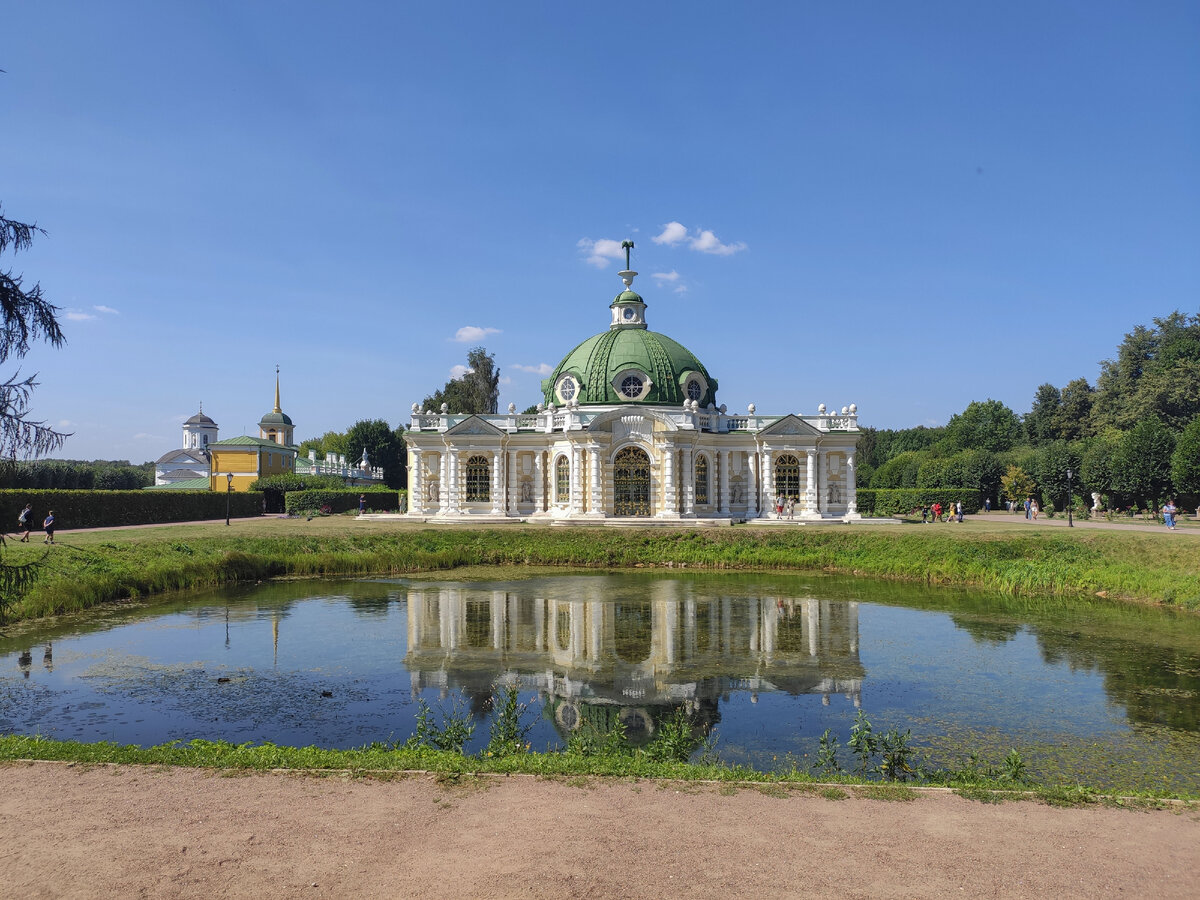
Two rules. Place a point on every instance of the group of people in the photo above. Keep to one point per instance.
(953, 512)
(25, 524)
(785, 507)
(1031, 508)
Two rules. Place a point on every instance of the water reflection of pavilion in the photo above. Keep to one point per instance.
(596, 656)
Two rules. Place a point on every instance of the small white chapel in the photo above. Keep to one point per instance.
(629, 428)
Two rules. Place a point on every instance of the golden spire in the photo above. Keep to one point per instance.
(277, 409)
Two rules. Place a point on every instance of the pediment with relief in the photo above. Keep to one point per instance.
(790, 425)
(474, 425)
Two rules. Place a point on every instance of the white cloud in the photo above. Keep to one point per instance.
(672, 234)
(108, 310)
(539, 369)
(703, 241)
(458, 371)
(680, 289)
(504, 379)
(600, 252)
(665, 277)
(74, 315)
(473, 333)
(707, 242)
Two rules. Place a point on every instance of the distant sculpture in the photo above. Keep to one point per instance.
(735, 492)
(835, 493)
(431, 491)
(1095, 501)
(526, 491)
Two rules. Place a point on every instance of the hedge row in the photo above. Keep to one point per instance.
(96, 509)
(378, 500)
(901, 501)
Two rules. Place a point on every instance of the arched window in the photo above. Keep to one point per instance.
(702, 479)
(478, 481)
(787, 476)
(562, 480)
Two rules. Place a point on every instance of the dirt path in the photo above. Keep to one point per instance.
(127, 831)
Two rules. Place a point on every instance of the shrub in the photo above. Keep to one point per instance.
(97, 509)
(900, 501)
(343, 500)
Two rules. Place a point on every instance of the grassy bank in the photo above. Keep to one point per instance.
(380, 760)
(88, 568)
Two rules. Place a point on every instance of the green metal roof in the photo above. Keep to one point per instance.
(275, 418)
(188, 484)
(627, 297)
(599, 359)
(244, 440)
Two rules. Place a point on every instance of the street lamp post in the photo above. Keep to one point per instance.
(228, 492)
(1070, 520)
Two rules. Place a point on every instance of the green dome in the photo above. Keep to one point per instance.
(597, 362)
(275, 418)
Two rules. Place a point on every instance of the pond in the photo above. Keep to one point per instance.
(760, 664)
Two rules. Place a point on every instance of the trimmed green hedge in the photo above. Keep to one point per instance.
(378, 500)
(96, 509)
(901, 501)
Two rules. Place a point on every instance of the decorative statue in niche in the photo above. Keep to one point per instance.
(431, 492)
(735, 492)
(835, 492)
(526, 491)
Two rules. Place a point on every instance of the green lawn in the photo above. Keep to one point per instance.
(90, 567)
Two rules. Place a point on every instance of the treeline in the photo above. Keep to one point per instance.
(1134, 437)
(76, 475)
(385, 448)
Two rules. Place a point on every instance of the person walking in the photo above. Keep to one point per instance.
(958, 510)
(362, 503)
(48, 524)
(1168, 512)
(1035, 508)
(937, 511)
(987, 504)
(1028, 507)
(25, 521)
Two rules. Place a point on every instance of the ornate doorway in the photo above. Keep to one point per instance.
(631, 483)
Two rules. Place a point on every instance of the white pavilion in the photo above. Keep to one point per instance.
(629, 428)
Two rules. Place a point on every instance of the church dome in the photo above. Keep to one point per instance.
(630, 364)
(200, 419)
(275, 418)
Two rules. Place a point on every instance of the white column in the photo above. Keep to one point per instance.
(687, 482)
(751, 486)
(576, 499)
(851, 488)
(510, 464)
(767, 459)
(443, 497)
(810, 486)
(823, 481)
(669, 507)
(497, 483)
(596, 502)
(722, 468)
(449, 495)
(416, 484)
(539, 482)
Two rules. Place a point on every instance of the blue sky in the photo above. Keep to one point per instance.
(904, 206)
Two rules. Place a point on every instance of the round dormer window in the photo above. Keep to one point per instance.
(631, 384)
(567, 389)
(694, 390)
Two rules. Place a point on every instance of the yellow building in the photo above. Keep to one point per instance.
(237, 462)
